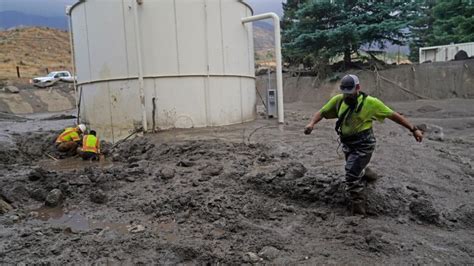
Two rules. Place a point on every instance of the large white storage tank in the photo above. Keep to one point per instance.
(196, 59)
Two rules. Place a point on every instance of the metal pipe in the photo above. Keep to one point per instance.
(279, 68)
(169, 76)
(138, 44)
(73, 60)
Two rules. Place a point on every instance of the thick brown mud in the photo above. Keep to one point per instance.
(256, 193)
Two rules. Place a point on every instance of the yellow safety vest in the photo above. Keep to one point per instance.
(90, 143)
(69, 134)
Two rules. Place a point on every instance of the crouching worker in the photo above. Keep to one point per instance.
(68, 141)
(90, 147)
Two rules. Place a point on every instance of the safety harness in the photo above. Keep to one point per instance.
(347, 112)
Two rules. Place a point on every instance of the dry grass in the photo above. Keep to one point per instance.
(33, 50)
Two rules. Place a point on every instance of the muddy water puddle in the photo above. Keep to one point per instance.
(167, 230)
(76, 221)
(74, 163)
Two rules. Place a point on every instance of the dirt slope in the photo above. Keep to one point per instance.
(33, 50)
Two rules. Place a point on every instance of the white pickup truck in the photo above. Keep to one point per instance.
(52, 78)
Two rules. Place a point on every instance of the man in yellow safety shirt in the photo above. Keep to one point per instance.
(68, 141)
(90, 147)
(355, 112)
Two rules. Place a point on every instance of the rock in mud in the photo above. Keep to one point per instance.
(432, 132)
(263, 158)
(212, 170)
(166, 173)
(136, 229)
(38, 194)
(65, 188)
(251, 257)
(297, 170)
(269, 253)
(4, 207)
(55, 198)
(11, 89)
(14, 218)
(423, 209)
(98, 197)
(37, 174)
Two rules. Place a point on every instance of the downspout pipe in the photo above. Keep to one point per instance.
(73, 60)
(279, 66)
(138, 44)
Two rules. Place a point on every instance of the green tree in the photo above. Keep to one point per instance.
(441, 22)
(453, 22)
(421, 27)
(326, 29)
(289, 9)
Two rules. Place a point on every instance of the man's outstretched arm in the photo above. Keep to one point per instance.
(399, 119)
(316, 118)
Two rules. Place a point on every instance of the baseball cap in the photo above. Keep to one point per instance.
(349, 84)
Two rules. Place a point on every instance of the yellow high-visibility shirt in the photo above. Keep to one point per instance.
(91, 143)
(373, 109)
(69, 134)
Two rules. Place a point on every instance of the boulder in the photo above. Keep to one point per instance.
(54, 198)
(11, 89)
(4, 207)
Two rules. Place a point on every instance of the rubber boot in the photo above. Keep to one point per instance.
(370, 176)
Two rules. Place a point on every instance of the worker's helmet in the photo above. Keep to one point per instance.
(82, 128)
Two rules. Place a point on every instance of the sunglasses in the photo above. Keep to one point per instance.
(345, 88)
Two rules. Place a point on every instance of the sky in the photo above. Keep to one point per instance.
(46, 8)
(50, 8)
(263, 6)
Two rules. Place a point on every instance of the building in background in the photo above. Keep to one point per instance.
(445, 53)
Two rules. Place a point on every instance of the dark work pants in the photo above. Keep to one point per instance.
(68, 147)
(358, 151)
(87, 155)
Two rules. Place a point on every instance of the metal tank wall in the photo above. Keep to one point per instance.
(197, 60)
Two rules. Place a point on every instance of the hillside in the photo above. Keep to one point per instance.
(264, 41)
(33, 50)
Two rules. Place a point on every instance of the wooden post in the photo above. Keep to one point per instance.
(18, 71)
(398, 56)
(47, 71)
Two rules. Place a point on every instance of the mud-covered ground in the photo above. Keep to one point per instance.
(252, 193)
